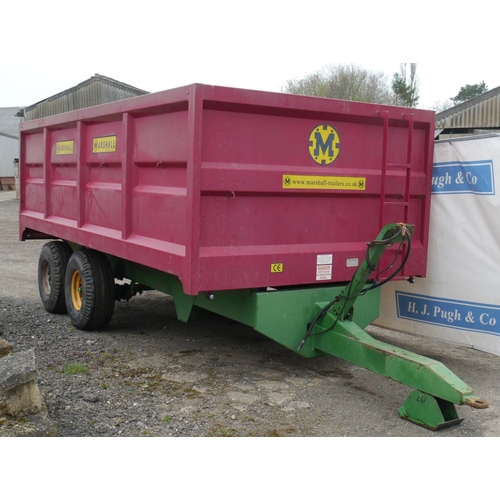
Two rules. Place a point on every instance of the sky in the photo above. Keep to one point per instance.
(48, 47)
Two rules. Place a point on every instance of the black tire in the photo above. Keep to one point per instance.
(52, 263)
(89, 290)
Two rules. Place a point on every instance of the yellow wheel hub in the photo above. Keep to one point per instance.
(76, 290)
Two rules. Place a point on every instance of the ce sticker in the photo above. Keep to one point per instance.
(277, 268)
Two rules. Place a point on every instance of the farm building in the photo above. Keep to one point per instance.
(9, 121)
(9, 150)
(476, 116)
(9, 145)
(96, 90)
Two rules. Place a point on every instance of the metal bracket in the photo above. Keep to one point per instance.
(429, 412)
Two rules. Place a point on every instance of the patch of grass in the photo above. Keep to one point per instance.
(74, 369)
(104, 386)
(167, 419)
(103, 358)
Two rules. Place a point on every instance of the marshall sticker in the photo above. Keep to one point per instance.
(64, 148)
(104, 144)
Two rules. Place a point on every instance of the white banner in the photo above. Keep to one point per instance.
(459, 301)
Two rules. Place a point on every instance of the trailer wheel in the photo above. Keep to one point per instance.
(89, 290)
(52, 263)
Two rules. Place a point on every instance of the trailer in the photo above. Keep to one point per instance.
(279, 211)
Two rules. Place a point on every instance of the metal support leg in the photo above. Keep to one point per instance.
(438, 388)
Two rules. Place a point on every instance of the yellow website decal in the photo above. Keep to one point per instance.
(324, 182)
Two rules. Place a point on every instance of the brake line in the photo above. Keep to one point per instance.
(387, 242)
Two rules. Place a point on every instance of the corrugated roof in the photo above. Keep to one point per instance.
(96, 90)
(10, 136)
(480, 112)
(93, 79)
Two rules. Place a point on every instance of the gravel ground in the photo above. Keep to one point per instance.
(147, 374)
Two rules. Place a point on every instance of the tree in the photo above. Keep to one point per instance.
(405, 86)
(469, 92)
(344, 81)
(440, 106)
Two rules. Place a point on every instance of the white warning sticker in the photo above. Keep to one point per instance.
(324, 259)
(323, 273)
(324, 267)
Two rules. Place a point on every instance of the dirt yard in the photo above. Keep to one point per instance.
(147, 374)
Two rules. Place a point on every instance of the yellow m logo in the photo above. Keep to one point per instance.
(324, 144)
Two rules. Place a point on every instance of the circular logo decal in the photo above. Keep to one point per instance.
(324, 144)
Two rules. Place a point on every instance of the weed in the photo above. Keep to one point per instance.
(167, 419)
(104, 386)
(74, 369)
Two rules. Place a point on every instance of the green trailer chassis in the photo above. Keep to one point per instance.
(318, 321)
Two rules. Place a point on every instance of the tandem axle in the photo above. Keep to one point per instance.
(305, 320)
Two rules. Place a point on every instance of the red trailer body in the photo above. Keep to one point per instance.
(265, 202)
(228, 188)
